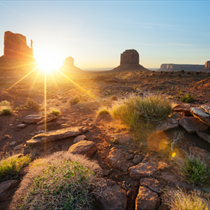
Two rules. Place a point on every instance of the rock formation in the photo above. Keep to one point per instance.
(15, 46)
(179, 67)
(206, 67)
(129, 61)
(68, 66)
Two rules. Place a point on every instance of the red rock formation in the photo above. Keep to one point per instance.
(206, 67)
(129, 62)
(15, 46)
(68, 66)
(179, 67)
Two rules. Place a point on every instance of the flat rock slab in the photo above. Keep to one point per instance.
(79, 138)
(121, 138)
(7, 189)
(116, 159)
(205, 136)
(206, 108)
(49, 118)
(191, 124)
(109, 195)
(201, 115)
(22, 125)
(83, 147)
(175, 181)
(146, 199)
(55, 135)
(142, 170)
(152, 184)
(202, 153)
(33, 118)
(169, 123)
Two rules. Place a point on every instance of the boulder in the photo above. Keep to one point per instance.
(206, 108)
(109, 195)
(146, 199)
(33, 118)
(79, 138)
(116, 159)
(7, 189)
(49, 118)
(191, 124)
(83, 147)
(55, 135)
(205, 136)
(167, 124)
(137, 159)
(201, 153)
(201, 115)
(121, 137)
(142, 170)
(174, 181)
(152, 184)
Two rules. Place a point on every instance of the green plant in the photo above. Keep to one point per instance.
(13, 164)
(55, 112)
(62, 185)
(195, 170)
(187, 98)
(74, 100)
(180, 200)
(31, 104)
(6, 111)
(114, 141)
(136, 109)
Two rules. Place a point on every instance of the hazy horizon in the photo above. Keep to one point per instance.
(95, 33)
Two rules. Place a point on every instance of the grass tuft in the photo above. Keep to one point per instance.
(180, 200)
(31, 104)
(103, 110)
(6, 108)
(195, 170)
(55, 112)
(187, 98)
(74, 100)
(136, 109)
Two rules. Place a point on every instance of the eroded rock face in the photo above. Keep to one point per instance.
(146, 199)
(201, 115)
(15, 46)
(129, 56)
(152, 184)
(179, 67)
(109, 195)
(83, 147)
(206, 67)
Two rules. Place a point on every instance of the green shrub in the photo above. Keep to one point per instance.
(6, 108)
(195, 170)
(103, 110)
(187, 98)
(74, 100)
(136, 109)
(55, 112)
(13, 165)
(31, 104)
(180, 200)
(6, 111)
(62, 185)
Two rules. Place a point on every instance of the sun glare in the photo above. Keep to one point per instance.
(48, 61)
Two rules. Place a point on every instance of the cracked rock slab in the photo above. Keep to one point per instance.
(201, 115)
(152, 183)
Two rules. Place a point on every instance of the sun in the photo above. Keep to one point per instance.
(48, 61)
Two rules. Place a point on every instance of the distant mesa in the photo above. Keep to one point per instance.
(16, 51)
(179, 67)
(206, 67)
(129, 61)
(69, 67)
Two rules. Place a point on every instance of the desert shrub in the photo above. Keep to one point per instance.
(74, 100)
(182, 71)
(102, 110)
(31, 104)
(188, 98)
(60, 182)
(136, 109)
(6, 111)
(113, 98)
(188, 72)
(55, 112)
(5, 103)
(195, 170)
(180, 200)
(13, 165)
(6, 108)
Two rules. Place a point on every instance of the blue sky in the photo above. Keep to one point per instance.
(95, 33)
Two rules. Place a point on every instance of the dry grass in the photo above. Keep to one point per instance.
(74, 100)
(136, 110)
(31, 104)
(6, 108)
(60, 181)
(180, 200)
(103, 110)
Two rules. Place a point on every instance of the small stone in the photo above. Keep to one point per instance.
(18, 147)
(10, 124)
(92, 125)
(79, 138)
(84, 129)
(21, 125)
(106, 172)
(6, 137)
(137, 159)
(12, 143)
(32, 119)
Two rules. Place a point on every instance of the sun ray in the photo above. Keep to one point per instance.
(23, 77)
(75, 84)
(45, 102)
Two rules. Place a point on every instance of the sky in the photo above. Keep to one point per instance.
(95, 33)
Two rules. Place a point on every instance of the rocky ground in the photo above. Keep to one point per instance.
(137, 165)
